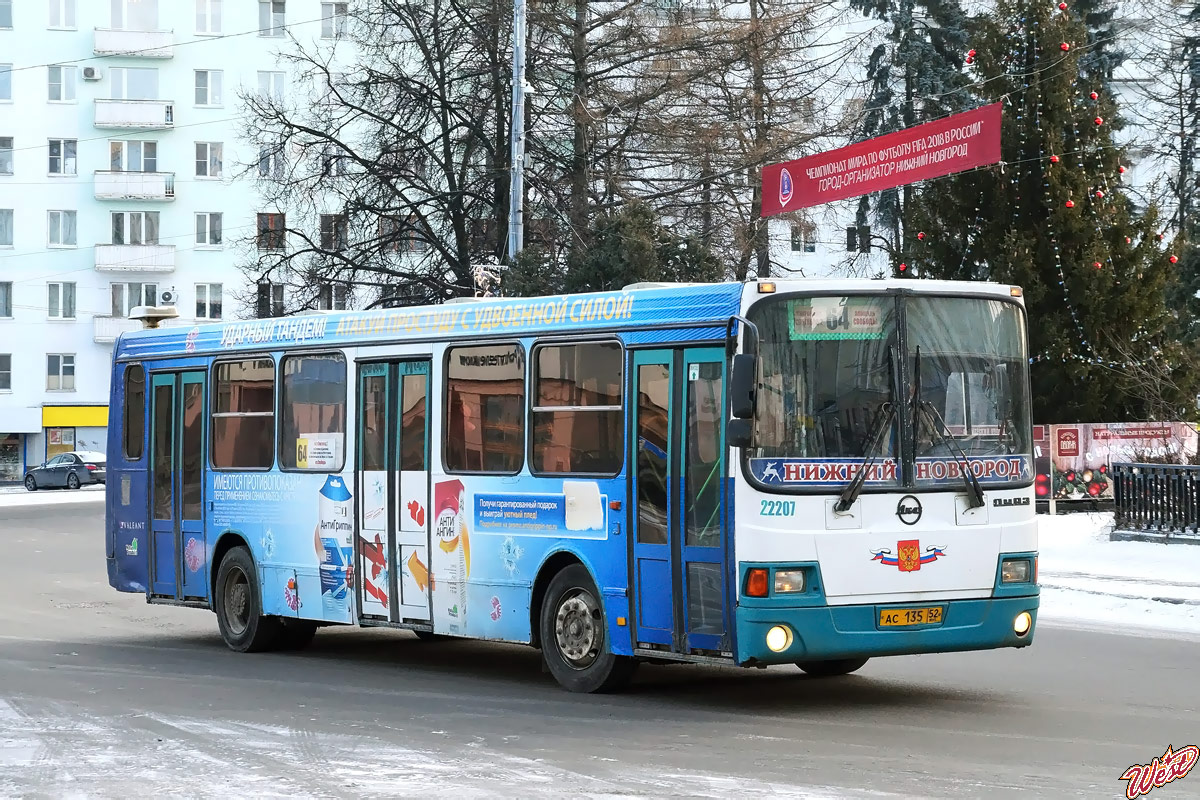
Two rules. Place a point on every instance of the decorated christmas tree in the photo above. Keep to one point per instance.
(1054, 219)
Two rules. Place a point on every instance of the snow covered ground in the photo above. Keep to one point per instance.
(1089, 581)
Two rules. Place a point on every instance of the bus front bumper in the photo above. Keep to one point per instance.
(817, 633)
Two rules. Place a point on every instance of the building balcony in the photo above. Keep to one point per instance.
(135, 257)
(107, 329)
(135, 185)
(134, 44)
(144, 114)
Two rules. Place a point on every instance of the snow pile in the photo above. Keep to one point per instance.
(1090, 581)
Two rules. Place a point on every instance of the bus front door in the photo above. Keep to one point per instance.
(677, 519)
(178, 551)
(392, 584)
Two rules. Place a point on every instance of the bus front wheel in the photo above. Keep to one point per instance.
(828, 669)
(238, 603)
(574, 636)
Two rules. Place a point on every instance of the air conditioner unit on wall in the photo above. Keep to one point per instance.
(167, 298)
(91, 74)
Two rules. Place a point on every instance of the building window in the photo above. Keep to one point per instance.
(134, 411)
(270, 300)
(485, 414)
(61, 84)
(271, 231)
(333, 232)
(208, 229)
(332, 296)
(208, 159)
(128, 296)
(134, 83)
(135, 227)
(6, 14)
(6, 299)
(270, 162)
(243, 419)
(333, 163)
(6, 155)
(577, 409)
(208, 87)
(313, 405)
(60, 301)
(208, 301)
(6, 83)
(390, 234)
(804, 238)
(135, 15)
(133, 156)
(5, 372)
(60, 372)
(6, 227)
(208, 16)
(270, 84)
(62, 156)
(62, 14)
(61, 226)
(270, 17)
(333, 20)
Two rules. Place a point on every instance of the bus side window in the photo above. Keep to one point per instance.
(313, 411)
(243, 419)
(134, 412)
(577, 417)
(485, 414)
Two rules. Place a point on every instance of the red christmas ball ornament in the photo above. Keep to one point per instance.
(903, 267)
(1062, 6)
(970, 60)
(1160, 237)
(1174, 259)
(1099, 193)
(1070, 204)
(1053, 159)
(1094, 96)
(1096, 264)
(1128, 240)
(1121, 170)
(970, 54)
(1099, 120)
(1064, 47)
(921, 235)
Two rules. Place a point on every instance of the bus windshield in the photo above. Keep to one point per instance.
(829, 367)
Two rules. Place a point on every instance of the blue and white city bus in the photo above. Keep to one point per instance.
(792, 472)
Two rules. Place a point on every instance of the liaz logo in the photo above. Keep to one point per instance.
(1010, 501)
(785, 187)
(1160, 771)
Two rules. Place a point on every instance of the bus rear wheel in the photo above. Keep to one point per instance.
(828, 669)
(238, 603)
(574, 636)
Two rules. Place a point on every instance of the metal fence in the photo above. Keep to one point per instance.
(1156, 501)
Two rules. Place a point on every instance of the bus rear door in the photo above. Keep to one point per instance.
(178, 562)
(392, 584)
(678, 522)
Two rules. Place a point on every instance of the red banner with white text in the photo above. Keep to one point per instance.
(956, 143)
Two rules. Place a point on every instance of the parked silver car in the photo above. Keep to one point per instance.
(67, 470)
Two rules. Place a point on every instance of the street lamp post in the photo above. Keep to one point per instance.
(516, 198)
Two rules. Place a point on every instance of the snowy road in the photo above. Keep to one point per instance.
(102, 695)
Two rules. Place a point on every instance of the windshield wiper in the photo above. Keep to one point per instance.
(883, 421)
(940, 429)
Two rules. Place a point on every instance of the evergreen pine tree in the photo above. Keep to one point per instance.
(915, 76)
(1054, 220)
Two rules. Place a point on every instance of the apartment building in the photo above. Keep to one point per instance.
(122, 183)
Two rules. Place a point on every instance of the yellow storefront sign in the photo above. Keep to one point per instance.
(74, 416)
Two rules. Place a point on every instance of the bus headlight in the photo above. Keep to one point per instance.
(1021, 624)
(1014, 570)
(779, 638)
(789, 581)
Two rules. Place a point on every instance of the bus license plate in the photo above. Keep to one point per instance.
(910, 616)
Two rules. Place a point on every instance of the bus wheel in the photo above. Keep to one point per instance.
(296, 634)
(828, 669)
(238, 603)
(573, 636)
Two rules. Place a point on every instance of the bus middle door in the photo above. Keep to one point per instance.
(680, 598)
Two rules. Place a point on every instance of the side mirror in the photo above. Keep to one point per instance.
(739, 432)
(742, 386)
